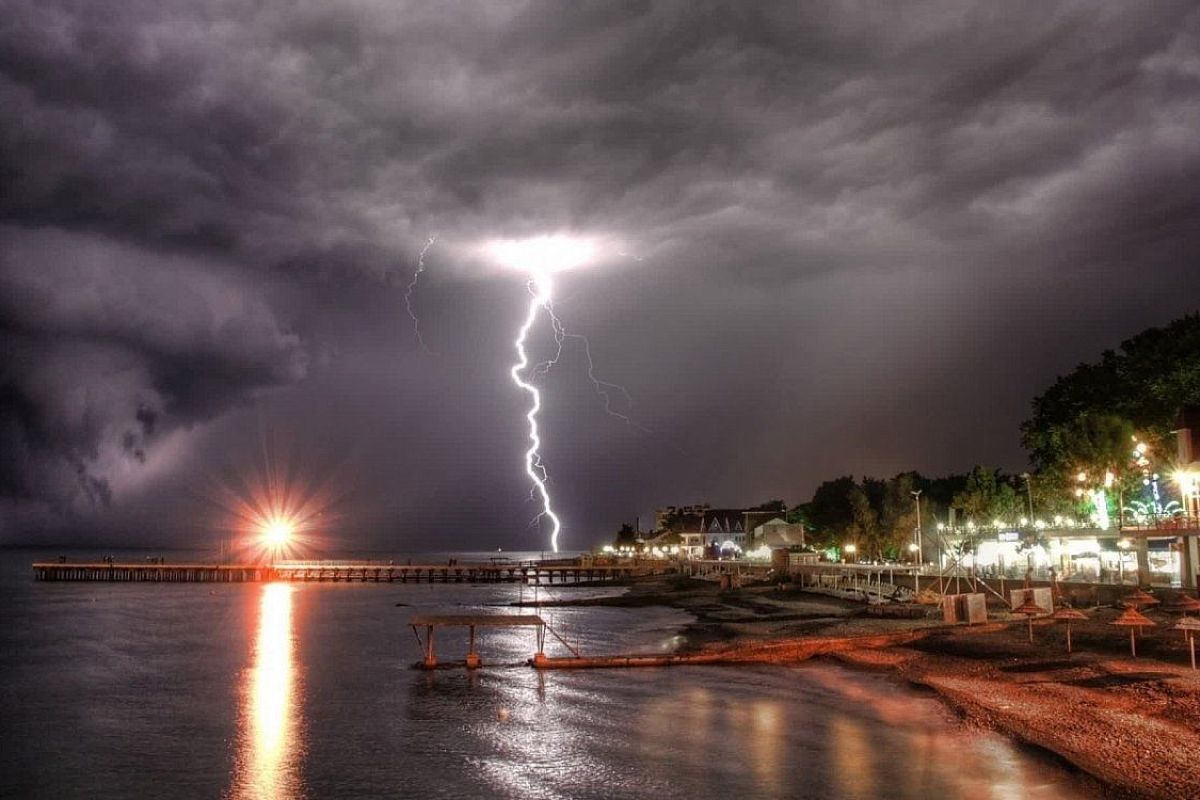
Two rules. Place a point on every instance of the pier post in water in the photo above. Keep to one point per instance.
(473, 661)
(430, 658)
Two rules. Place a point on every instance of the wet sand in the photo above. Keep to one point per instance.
(1134, 724)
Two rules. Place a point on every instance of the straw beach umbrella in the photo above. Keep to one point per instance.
(1138, 598)
(1030, 609)
(1185, 604)
(1134, 620)
(1189, 626)
(1068, 615)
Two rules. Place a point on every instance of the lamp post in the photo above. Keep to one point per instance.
(1029, 491)
(917, 499)
(849, 550)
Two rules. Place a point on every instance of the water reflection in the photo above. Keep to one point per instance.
(853, 756)
(268, 754)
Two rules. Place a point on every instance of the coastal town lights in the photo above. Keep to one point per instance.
(1188, 488)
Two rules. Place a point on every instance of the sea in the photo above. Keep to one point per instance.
(272, 691)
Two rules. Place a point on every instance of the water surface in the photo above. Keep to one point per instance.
(278, 691)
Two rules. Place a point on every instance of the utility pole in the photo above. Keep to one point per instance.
(917, 498)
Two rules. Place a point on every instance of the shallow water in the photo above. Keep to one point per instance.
(276, 691)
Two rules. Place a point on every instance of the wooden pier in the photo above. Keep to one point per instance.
(432, 623)
(341, 571)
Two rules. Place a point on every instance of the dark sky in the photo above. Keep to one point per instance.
(845, 238)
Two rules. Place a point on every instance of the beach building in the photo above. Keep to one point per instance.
(777, 533)
(1153, 542)
(707, 532)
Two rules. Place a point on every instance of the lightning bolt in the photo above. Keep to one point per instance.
(539, 291)
(408, 292)
(602, 388)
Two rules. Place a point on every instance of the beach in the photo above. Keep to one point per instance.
(1131, 723)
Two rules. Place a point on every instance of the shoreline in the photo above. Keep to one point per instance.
(1131, 725)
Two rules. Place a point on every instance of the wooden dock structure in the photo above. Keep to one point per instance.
(342, 571)
(768, 652)
(431, 623)
(786, 651)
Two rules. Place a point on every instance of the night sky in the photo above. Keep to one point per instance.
(841, 239)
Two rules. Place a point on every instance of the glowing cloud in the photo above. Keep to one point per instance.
(543, 255)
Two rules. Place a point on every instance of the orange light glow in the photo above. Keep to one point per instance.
(278, 531)
(275, 511)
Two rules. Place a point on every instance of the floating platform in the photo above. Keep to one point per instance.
(432, 622)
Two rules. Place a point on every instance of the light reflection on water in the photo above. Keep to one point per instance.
(269, 750)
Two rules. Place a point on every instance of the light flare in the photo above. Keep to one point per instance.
(278, 531)
(275, 510)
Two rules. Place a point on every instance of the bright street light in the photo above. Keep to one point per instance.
(917, 500)
(277, 532)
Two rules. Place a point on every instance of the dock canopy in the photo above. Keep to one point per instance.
(431, 622)
(476, 620)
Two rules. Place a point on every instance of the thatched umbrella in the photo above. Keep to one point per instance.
(1068, 615)
(1189, 626)
(1137, 598)
(1185, 603)
(1030, 609)
(1134, 620)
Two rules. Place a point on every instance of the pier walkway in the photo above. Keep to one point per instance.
(341, 571)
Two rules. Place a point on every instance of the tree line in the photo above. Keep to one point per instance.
(1105, 425)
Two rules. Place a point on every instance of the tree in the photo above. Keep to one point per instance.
(626, 536)
(1098, 443)
(672, 521)
(829, 510)
(898, 517)
(988, 495)
(1145, 382)
(864, 521)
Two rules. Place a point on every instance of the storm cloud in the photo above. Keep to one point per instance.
(844, 238)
